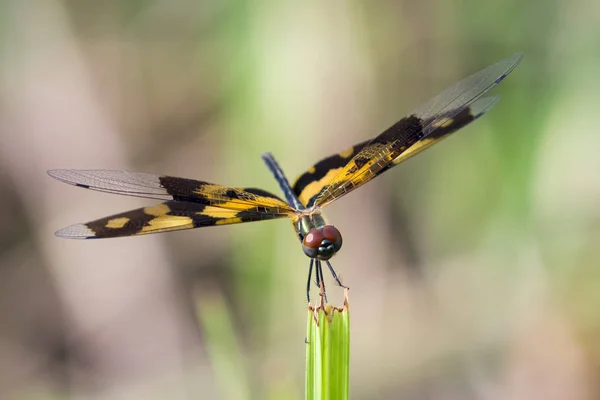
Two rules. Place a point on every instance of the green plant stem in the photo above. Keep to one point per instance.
(328, 351)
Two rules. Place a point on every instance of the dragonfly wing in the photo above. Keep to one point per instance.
(164, 217)
(169, 188)
(439, 112)
(309, 185)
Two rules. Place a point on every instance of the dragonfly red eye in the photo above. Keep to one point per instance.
(312, 242)
(313, 239)
(331, 233)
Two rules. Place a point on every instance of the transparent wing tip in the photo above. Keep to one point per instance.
(61, 175)
(512, 63)
(54, 173)
(517, 57)
(76, 231)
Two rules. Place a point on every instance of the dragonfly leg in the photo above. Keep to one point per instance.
(321, 280)
(335, 275)
(310, 269)
(317, 275)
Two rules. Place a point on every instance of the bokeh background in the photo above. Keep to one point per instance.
(474, 267)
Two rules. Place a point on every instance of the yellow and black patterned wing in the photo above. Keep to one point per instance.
(309, 185)
(187, 203)
(449, 111)
(164, 217)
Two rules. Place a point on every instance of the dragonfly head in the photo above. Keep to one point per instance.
(322, 243)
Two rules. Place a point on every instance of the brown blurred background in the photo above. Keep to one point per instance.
(474, 267)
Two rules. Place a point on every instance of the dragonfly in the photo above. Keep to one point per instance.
(188, 203)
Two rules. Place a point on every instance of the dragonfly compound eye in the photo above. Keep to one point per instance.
(331, 242)
(311, 242)
(331, 233)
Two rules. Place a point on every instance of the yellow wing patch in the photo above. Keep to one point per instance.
(117, 223)
(309, 184)
(162, 221)
(313, 188)
(216, 212)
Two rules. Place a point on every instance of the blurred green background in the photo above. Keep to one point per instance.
(474, 267)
